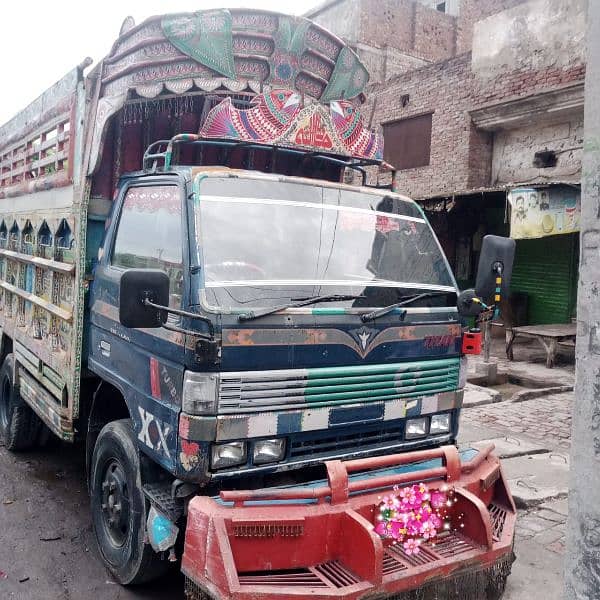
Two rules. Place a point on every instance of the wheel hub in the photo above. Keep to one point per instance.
(115, 503)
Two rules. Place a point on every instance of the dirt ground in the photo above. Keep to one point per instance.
(47, 547)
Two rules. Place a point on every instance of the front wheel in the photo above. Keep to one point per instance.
(119, 506)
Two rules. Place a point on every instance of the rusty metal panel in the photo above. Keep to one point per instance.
(408, 142)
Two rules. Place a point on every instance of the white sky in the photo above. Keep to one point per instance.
(40, 40)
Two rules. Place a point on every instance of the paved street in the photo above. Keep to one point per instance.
(536, 428)
(533, 438)
(546, 419)
(49, 550)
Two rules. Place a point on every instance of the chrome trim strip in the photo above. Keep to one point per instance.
(337, 207)
(325, 282)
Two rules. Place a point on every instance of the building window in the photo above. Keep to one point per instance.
(407, 143)
(441, 6)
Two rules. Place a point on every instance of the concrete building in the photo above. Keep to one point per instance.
(481, 103)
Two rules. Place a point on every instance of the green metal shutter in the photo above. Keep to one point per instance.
(546, 269)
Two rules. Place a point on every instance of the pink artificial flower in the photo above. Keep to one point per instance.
(408, 496)
(435, 521)
(383, 529)
(403, 517)
(390, 502)
(438, 499)
(411, 546)
(397, 530)
(428, 530)
(413, 526)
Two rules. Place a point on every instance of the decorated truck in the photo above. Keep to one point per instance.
(263, 353)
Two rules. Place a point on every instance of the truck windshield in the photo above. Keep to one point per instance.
(267, 242)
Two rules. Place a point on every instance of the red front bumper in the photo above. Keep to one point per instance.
(319, 542)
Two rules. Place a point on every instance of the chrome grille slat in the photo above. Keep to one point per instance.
(278, 392)
(228, 386)
(252, 391)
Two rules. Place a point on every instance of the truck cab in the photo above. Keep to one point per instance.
(279, 358)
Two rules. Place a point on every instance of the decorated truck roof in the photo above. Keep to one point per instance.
(238, 74)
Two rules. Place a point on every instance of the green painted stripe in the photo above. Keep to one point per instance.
(385, 377)
(389, 368)
(407, 396)
(333, 389)
(328, 311)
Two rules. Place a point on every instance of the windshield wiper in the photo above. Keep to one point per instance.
(380, 312)
(295, 303)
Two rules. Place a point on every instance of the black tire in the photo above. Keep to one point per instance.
(19, 425)
(119, 507)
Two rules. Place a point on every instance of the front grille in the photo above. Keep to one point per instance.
(255, 391)
(445, 546)
(498, 518)
(331, 574)
(327, 443)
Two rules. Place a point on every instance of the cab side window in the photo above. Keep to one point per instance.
(149, 235)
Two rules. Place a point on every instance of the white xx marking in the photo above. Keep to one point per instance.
(163, 430)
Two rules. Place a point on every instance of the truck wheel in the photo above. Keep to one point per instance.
(19, 425)
(119, 507)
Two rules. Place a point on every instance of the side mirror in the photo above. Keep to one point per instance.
(136, 286)
(496, 260)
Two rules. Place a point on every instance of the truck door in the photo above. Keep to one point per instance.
(146, 365)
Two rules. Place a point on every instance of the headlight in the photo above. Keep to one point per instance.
(200, 393)
(440, 424)
(228, 455)
(268, 451)
(416, 428)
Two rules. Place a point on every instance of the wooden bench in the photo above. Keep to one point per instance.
(550, 336)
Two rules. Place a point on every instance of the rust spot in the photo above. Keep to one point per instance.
(184, 426)
(240, 337)
(316, 336)
(407, 333)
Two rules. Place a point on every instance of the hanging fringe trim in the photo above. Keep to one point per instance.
(483, 584)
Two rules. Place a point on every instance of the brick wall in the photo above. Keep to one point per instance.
(387, 23)
(475, 10)
(434, 34)
(461, 155)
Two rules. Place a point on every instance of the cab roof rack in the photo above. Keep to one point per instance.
(163, 150)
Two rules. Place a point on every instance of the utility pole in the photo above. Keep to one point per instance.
(582, 559)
